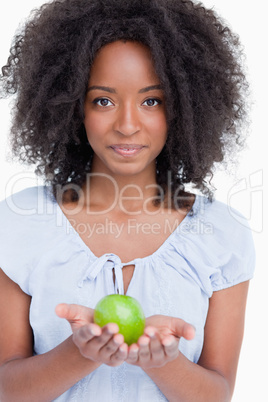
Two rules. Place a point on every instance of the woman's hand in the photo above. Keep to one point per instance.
(160, 341)
(155, 348)
(103, 345)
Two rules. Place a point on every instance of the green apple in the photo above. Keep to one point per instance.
(123, 310)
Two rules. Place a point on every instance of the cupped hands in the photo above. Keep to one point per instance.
(158, 345)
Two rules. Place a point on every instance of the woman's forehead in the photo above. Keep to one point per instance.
(132, 59)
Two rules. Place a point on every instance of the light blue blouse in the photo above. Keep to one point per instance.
(212, 249)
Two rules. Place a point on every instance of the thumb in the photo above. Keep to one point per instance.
(75, 314)
(183, 329)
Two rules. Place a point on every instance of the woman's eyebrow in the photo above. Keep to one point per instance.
(113, 91)
(106, 89)
(151, 88)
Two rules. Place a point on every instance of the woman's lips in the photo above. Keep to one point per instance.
(127, 150)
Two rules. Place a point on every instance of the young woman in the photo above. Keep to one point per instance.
(121, 104)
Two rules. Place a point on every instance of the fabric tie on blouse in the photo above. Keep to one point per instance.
(106, 261)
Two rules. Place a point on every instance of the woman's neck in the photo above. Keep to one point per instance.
(126, 193)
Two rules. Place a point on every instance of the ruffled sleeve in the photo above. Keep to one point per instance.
(20, 233)
(237, 256)
(212, 247)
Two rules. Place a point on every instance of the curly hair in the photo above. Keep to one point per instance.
(196, 57)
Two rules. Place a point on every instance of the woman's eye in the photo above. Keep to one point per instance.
(152, 102)
(102, 102)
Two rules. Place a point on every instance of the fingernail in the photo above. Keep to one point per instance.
(112, 329)
(150, 333)
(168, 342)
(133, 352)
(94, 331)
(144, 342)
(118, 341)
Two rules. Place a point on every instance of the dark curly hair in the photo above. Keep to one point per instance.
(197, 59)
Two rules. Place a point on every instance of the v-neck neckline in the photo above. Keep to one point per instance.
(181, 227)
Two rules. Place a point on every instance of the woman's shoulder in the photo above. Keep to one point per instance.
(220, 219)
(25, 232)
(33, 204)
(226, 239)
(22, 213)
(26, 202)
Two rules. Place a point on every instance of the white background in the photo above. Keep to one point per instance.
(244, 189)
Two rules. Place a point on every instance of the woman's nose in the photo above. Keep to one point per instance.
(127, 120)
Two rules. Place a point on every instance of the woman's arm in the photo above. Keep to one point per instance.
(213, 378)
(24, 377)
(43, 377)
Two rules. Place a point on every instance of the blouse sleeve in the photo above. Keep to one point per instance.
(19, 240)
(237, 256)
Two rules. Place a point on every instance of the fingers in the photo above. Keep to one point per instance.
(149, 352)
(110, 347)
(140, 354)
(152, 350)
(171, 349)
(156, 347)
(73, 312)
(84, 334)
(133, 354)
(144, 351)
(91, 338)
(61, 310)
(188, 331)
(103, 345)
(106, 339)
(114, 351)
(119, 356)
(182, 329)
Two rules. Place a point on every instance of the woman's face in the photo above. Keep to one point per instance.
(125, 117)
